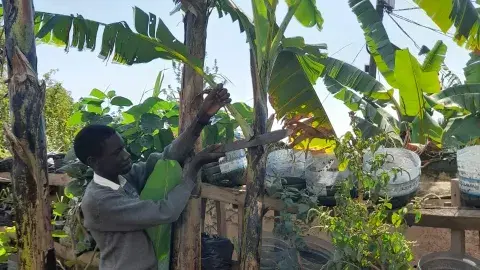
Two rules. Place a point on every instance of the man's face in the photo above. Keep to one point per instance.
(115, 160)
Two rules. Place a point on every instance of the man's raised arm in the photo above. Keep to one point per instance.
(180, 148)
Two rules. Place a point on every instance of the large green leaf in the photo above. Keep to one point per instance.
(166, 175)
(354, 78)
(375, 115)
(434, 61)
(262, 28)
(244, 110)
(435, 57)
(461, 130)
(463, 98)
(460, 13)
(307, 13)
(220, 132)
(472, 70)
(426, 128)
(244, 22)
(376, 37)
(412, 83)
(292, 95)
(152, 40)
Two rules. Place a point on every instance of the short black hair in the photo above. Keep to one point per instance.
(89, 141)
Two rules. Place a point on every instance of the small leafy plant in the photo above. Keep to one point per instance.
(365, 231)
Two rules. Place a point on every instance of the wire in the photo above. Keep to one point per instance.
(421, 25)
(341, 49)
(356, 56)
(405, 32)
(406, 9)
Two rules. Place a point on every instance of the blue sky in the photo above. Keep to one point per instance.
(82, 71)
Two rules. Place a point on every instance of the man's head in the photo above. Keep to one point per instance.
(102, 148)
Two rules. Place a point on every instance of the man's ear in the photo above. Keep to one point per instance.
(92, 162)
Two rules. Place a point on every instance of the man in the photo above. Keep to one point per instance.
(112, 209)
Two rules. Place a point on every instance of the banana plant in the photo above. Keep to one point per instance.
(418, 86)
(285, 68)
(459, 13)
(413, 81)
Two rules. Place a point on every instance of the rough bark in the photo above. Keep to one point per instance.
(253, 208)
(27, 139)
(186, 253)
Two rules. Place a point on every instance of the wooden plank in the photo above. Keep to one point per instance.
(439, 188)
(221, 219)
(235, 196)
(435, 217)
(448, 217)
(440, 217)
(457, 244)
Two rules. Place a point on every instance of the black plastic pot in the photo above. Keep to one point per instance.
(276, 251)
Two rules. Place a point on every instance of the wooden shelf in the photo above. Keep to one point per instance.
(439, 217)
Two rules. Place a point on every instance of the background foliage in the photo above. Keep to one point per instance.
(59, 106)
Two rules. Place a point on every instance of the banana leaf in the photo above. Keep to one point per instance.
(307, 13)
(376, 116)
(377, 39)
(435, 57)
(412, 83)
(459, 13)
(354, 78)
(464, 99)
(229, 7)
(166, 175)
(426, 128)
(262, 29)
(472, 70)
(292, 95)
(461, 131)
(152, 39)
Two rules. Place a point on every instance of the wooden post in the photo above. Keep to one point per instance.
(187, 252)
(253, 212)
(457, 244)
(221, 219)
(26, 139)
(240, 225)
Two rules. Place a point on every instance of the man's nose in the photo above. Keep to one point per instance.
(126, 155)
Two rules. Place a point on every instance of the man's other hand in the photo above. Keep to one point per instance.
(210, 154)
(216, 99)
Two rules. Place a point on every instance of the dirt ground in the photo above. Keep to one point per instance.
(427, 240)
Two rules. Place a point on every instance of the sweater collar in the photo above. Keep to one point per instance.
(107, 183)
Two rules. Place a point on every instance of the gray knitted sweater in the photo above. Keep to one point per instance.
(117, 218)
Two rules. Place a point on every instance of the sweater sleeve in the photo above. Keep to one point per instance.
(140, 171)
(117, 212)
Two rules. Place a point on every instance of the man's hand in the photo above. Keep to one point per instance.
(209, 154)
(216, 99)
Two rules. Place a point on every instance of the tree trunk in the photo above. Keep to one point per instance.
(186, 253)
(252, 217)
(27, 139)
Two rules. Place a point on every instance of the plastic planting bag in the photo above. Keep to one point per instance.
(216, 252)
(165, 176)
